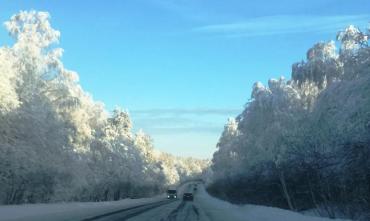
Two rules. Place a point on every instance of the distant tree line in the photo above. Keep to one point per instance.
(304, 143)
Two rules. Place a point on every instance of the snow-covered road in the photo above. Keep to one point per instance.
(208, 208)
(203, 208)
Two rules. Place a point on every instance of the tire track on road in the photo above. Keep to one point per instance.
(174, 213)
(189, 211)
(116, 215)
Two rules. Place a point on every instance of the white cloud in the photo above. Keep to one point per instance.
(190, 111)
(182, 121)
(283, 24)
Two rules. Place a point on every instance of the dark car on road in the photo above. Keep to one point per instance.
(171, 194)
(188, 197)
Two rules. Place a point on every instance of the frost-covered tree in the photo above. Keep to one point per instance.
(223, 165)
(56, 142)
(321, 68)
(298, 142)
(352, 39)
(8, 96)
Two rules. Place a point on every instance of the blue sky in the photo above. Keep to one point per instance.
(182, 67)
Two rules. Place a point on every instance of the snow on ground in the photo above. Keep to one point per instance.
(159, 213)
(204, 208)
(67, 211)
(176, 211)
(72, 211)
(218, 210)
(208, 208)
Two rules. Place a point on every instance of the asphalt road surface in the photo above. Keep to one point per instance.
(166, 210)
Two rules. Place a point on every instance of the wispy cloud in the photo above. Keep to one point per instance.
(185, 130)
(283, 24)
(178, 125)
(189, 9)
(184, 111)
(181, 121)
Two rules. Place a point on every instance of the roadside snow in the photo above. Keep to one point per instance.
(218, 210)
(67, 211)
(205, 207)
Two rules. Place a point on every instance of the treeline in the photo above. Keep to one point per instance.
(56, 142)
(304, 143)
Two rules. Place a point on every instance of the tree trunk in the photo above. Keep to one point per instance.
(285, 190)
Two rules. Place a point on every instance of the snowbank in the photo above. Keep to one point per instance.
(218, 210)
(67, 211)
